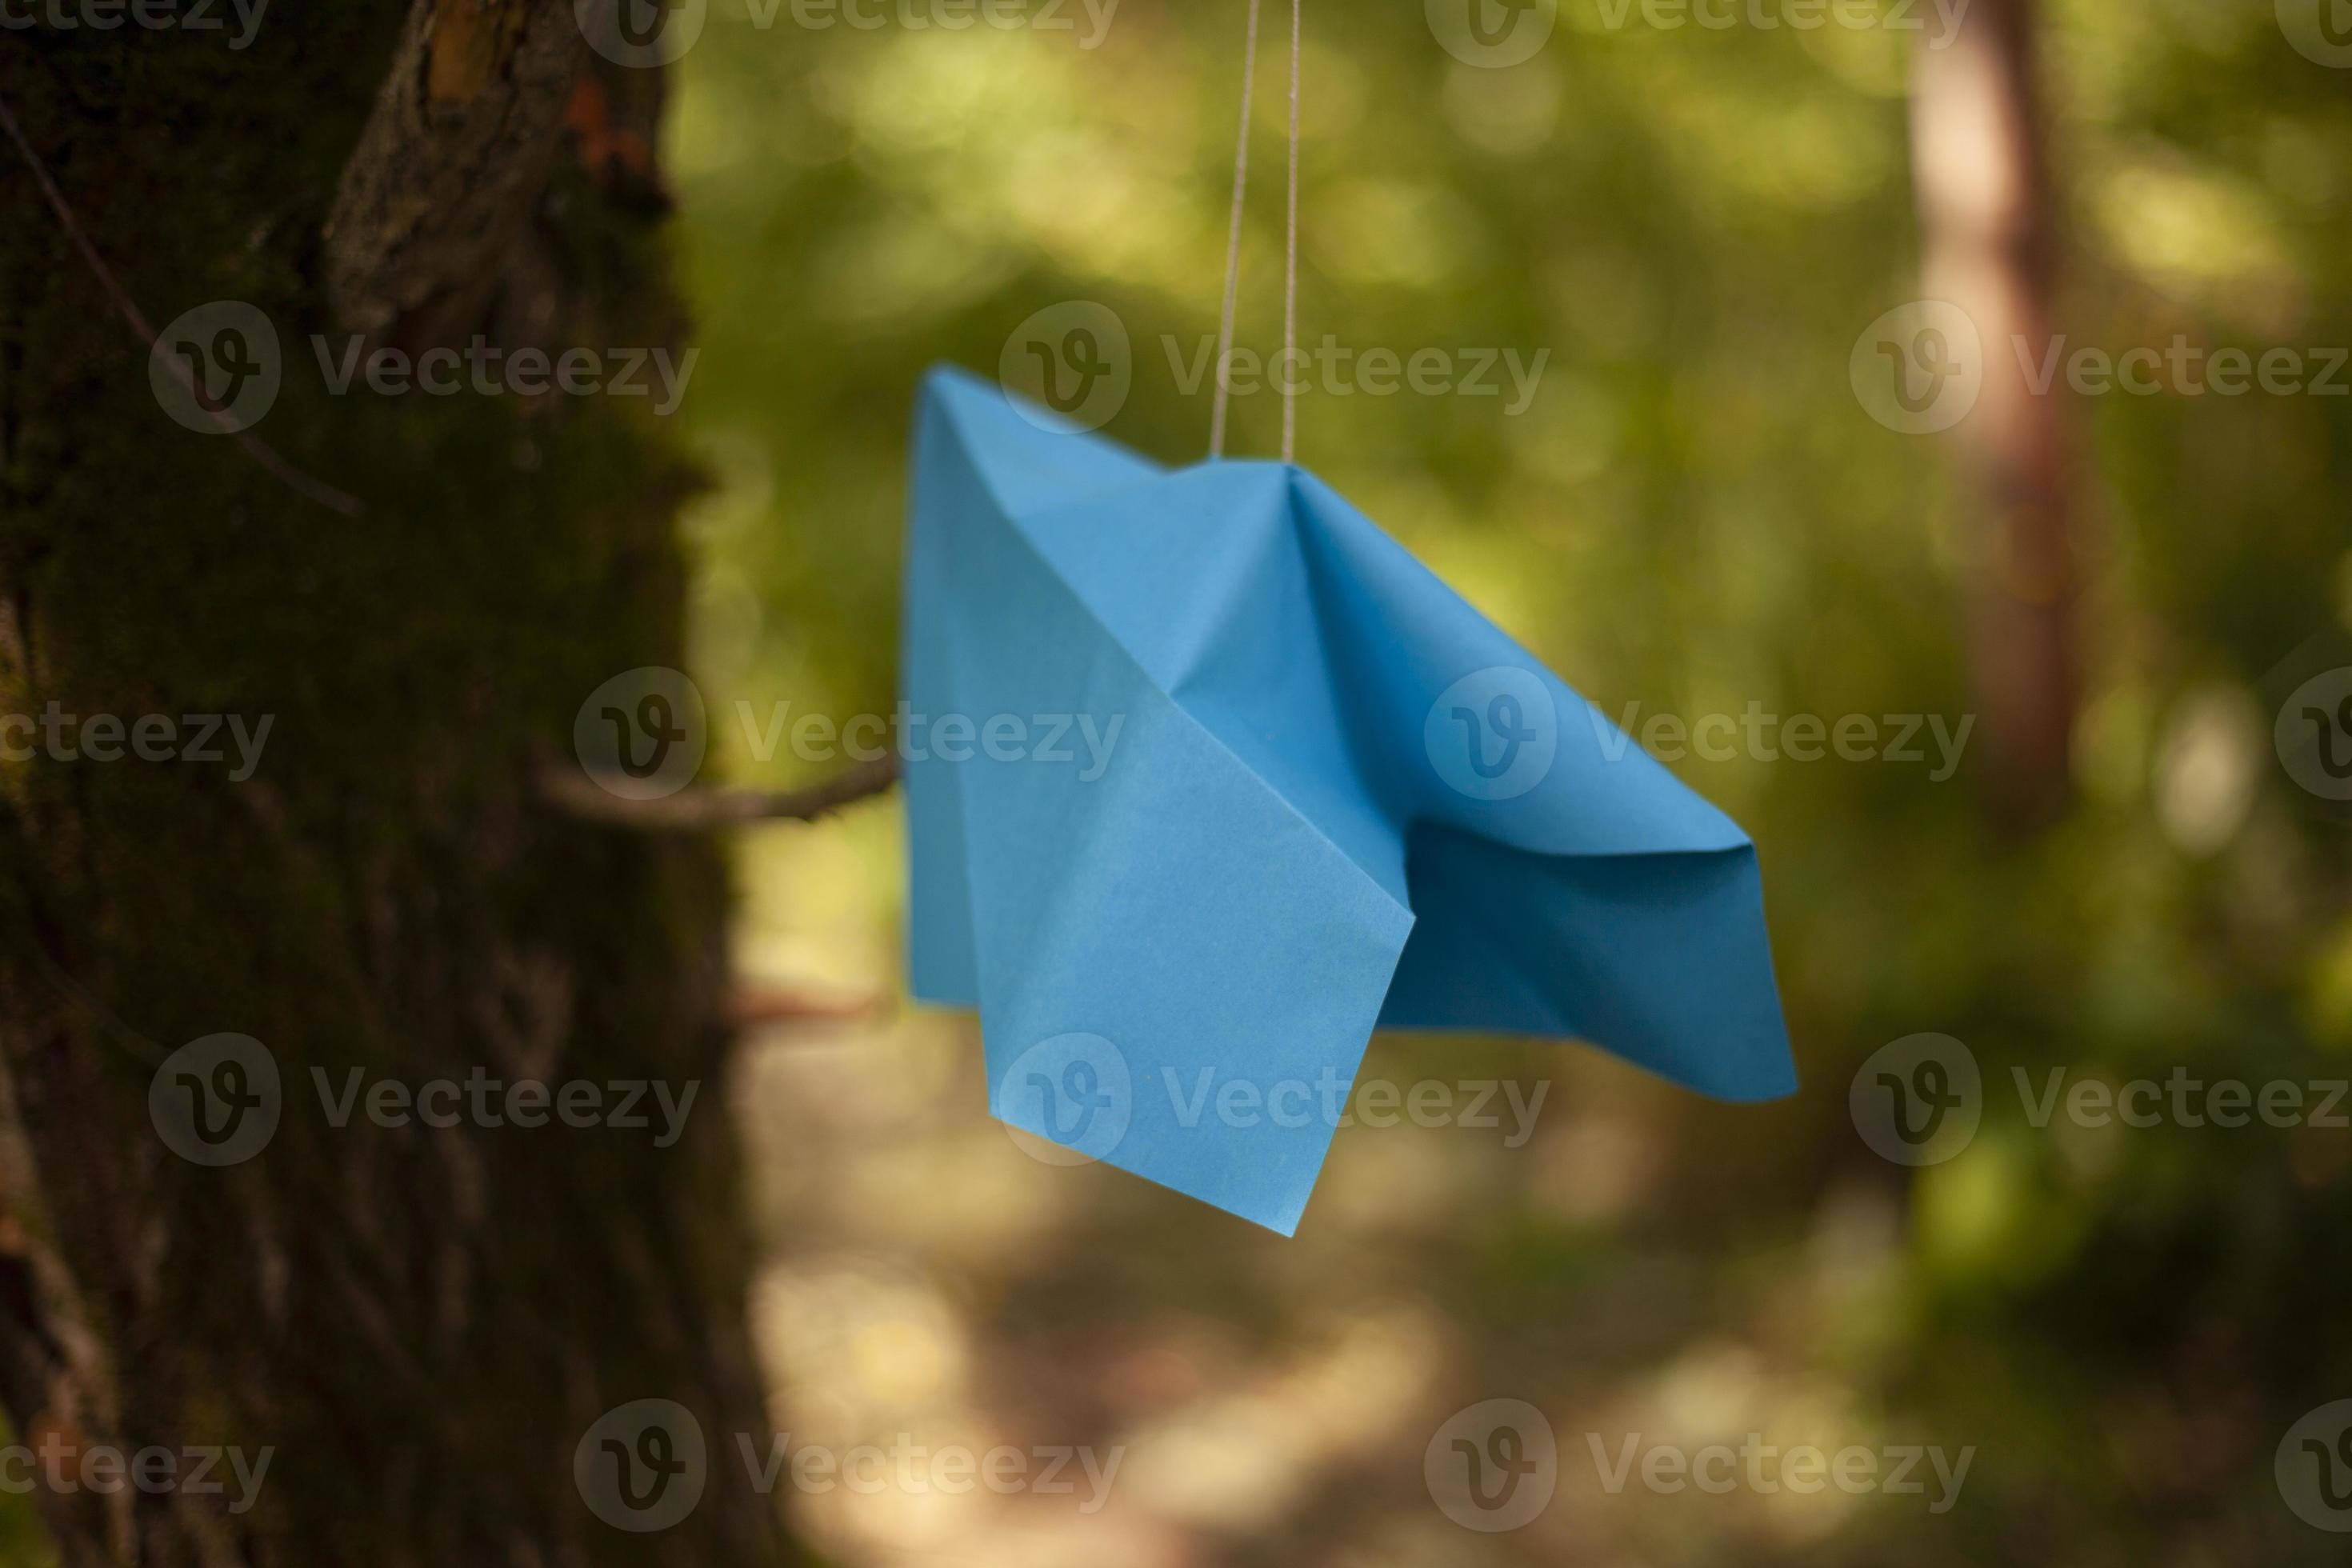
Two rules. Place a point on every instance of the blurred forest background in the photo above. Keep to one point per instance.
(1693, 513)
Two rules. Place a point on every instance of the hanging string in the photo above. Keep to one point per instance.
(1234, 253)
(1233, 241)
(1290, 262)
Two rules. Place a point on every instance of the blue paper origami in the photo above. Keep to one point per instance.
(1207, 778)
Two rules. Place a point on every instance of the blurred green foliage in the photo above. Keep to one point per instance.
(1696, 513)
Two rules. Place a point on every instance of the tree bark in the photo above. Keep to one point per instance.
(1986, 209)
(421, 1323)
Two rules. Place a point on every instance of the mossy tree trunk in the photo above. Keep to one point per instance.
(422, 1322)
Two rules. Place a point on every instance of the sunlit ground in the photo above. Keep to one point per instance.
(1270, 1401)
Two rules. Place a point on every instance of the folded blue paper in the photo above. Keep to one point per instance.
(1207, 779)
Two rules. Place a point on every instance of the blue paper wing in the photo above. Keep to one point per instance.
(1603, 900)
(1173, 908)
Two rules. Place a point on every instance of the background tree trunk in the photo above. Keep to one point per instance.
(1985, 208)
(421, 1323)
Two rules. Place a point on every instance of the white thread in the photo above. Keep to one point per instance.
(1290, 263)
(1234, 242)
(1290, 257)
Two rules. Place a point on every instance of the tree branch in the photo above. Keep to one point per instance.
(569, 789)
(455, 151)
